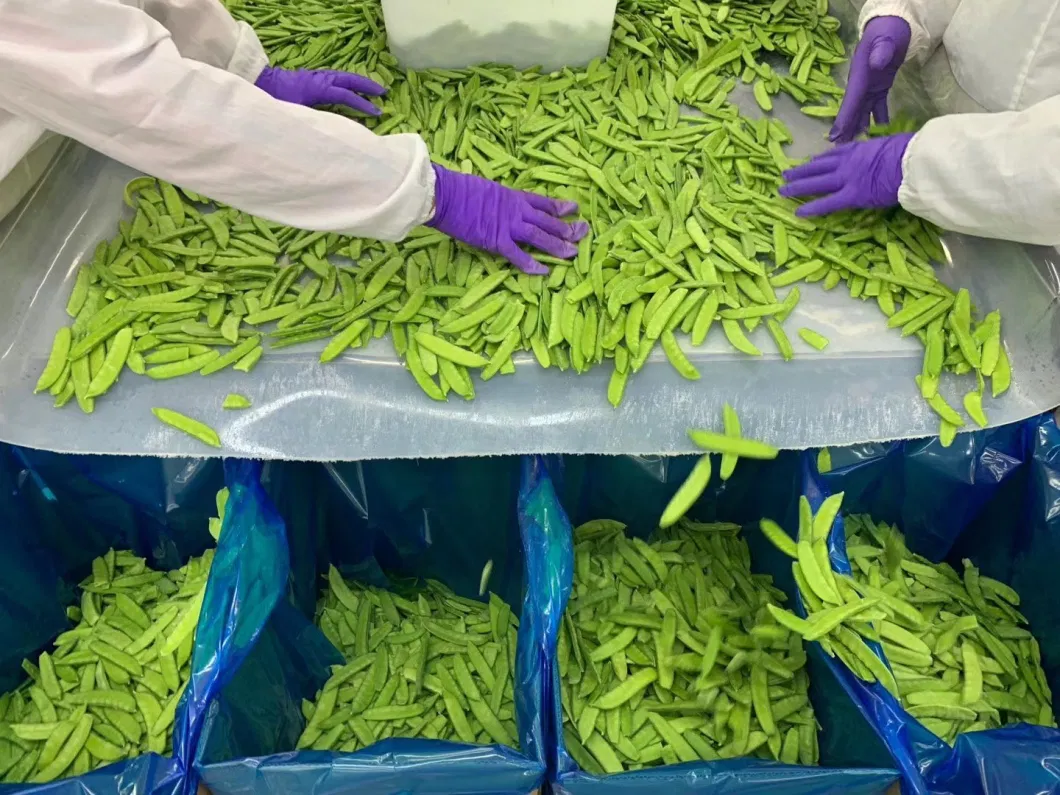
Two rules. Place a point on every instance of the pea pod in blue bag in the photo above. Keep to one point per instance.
(957, 653)
(670, 652)
(108, 688)
(423, 662)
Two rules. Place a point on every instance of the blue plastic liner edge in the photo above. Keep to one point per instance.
(247, 579)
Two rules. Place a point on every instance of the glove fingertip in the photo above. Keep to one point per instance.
(579, 229)
(365, 107)
(533, 268)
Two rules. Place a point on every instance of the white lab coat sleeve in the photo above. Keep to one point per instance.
(111, 77)
(988, 174)
(928, 20)
(204, 31)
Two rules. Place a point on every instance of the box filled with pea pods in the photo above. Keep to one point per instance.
(413, 660)
(933, 595)
(101, 603)
(671, 665)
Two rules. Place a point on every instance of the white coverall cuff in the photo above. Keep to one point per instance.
(907, 194)
(429, 179)
(919, 44)
(411, 204)
(249, 59)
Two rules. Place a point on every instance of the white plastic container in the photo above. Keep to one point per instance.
(523, 33)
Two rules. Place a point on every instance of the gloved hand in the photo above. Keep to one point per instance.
(497, 219)
(311, 87)
(876, 60)
(861, 175)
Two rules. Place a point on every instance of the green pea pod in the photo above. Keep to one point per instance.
(450, 352)
(780, 539)
(183, 367)
(826, 516)
(811, 570)
(738, 339)
(108, 699)
(824, 622)
(70, 749)
(813, 339)
(236, 401)
(677, 357)
(623, 692)
(185, 627)
(603, 754)
(217, 363)
(1001, 378)
(194, 428)
(744, 448)
(688, 493)
(119, 658)
(57, 359)
(973, 404)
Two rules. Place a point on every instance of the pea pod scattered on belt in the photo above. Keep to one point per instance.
(421, 663)
(669, 652)
(956, 650)
(109, 687)
(688, 228)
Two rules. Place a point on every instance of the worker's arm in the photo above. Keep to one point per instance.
(927, 20)
(988, 174)
(112, 78)
(204, 31)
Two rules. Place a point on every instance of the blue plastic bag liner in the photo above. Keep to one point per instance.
(991, 497)
(61, 512)
(149, 773)
(79, 506)
(247, 579)
(635, 490)
(428, 519)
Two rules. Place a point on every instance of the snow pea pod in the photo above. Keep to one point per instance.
(199, 430)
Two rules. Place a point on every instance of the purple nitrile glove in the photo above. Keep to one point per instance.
(862, 175)
(312, 87)
(497, 219)
(876, 60)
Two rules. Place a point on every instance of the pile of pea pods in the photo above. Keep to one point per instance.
(423, 663)
(109, 687)
(956, 651)
(670, 652)
(678, 182)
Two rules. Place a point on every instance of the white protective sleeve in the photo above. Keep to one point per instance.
(927, 20)
(204, 31)
(988, 174)
(112, 78)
